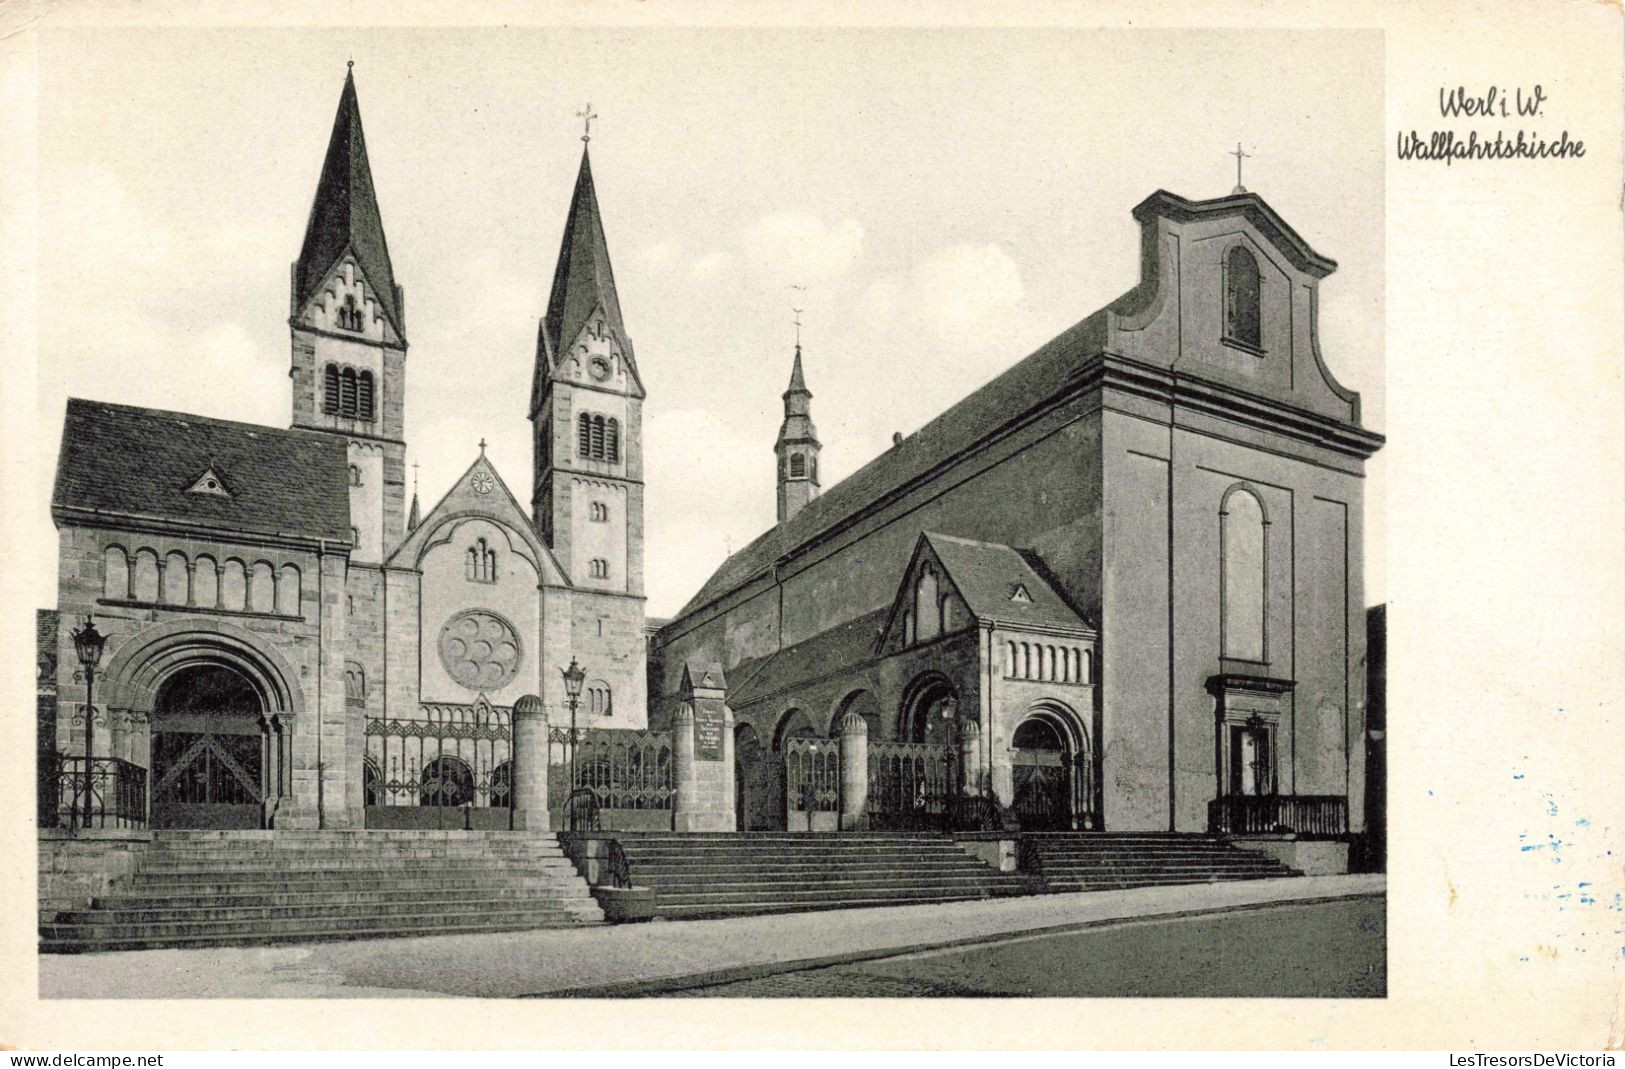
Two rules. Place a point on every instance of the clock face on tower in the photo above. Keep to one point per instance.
(599, 367)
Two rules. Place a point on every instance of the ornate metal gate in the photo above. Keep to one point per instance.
(1042, 785)
(625, 769)
(812, 783)
(446, 768)
(210, 778)
(911, 785)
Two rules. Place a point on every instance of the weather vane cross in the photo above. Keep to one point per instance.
(586, 115)
(797, 311)
(1239, 155)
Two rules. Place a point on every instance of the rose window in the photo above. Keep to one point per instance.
(480, 650)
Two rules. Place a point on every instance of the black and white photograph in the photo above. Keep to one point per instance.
(635, 511)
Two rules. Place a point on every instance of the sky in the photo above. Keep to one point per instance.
(948, 199)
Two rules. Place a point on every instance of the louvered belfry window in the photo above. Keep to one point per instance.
(349, 394)
(598, 438)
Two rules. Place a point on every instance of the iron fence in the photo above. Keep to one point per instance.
(911, 785)
(112, 793)
(1306, 815)
(812, 775)
(623, 768)
(448, 757)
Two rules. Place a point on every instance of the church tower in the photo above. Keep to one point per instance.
(347, 317)
(587, 412)
(797, 447)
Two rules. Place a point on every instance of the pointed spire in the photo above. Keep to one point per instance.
(583, 279)
(344, 216)
(414, 517)
(797, 383)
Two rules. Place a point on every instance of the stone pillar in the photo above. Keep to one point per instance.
(684, 800)
(528, 767)
(854, 772)
(703, 758)
(970, 757)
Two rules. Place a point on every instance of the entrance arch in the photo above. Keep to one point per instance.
(210, 750)
(929, 711)
(1051, 771)
(157, 661)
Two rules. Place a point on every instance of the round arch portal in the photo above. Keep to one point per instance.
(1052, 770)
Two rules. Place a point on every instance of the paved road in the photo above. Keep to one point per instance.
(625, 960)
(1320, 950)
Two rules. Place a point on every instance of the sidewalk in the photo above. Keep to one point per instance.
(623, 959)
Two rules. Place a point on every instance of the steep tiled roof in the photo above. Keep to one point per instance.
(583, 279)
(144, 462)
(987, 575)
(345, 216)
(830, 651)
(1009, 395)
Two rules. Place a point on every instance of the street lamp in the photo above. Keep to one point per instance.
(574, 676)
(88, 643)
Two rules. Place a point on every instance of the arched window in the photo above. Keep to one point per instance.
(288, 590)
(584, 435)
(927, 613)
(262, 588)
(355, 475)
(599, 512)
(176, 579)
(144, 586)
(1241, 296)
(330, 390)
(115, 574)
(598, 568)
(349, 314)
(598, 437)
(480, 563)
(1026, 661)
(599, 701)
(798, 466)
(1010, 659)
(612, 440)
(233, 586)
(1241, 575)
(205, 583)
(363, 404)
(347, 392)
(355, 685)
(812, 469)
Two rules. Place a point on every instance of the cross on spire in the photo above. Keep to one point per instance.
(586, 115)
(1239, 155)
(482, 447)
(414, 476)
(797, 311)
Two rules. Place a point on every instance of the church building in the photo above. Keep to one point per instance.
(1117, 588)
(290, 643)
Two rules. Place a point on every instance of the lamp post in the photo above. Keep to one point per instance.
(574, 676)
(88, 643)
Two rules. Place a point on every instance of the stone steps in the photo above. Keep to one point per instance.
(247, 888)
(734, 874)
(1093, 862)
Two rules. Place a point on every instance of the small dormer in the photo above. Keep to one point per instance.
(1229, 292)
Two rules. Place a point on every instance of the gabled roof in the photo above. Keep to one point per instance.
(987, 575)
(141, 462)
(466, 499)
(583, 280)
(984, 412)
(344, 217)
(828, 652)
(1255, 210)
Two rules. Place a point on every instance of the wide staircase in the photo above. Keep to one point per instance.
(221, 888)
(1081, 861)
(730, 874)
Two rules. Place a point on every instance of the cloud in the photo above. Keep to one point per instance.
(966, 287)
(797, 246)
(708, 266)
